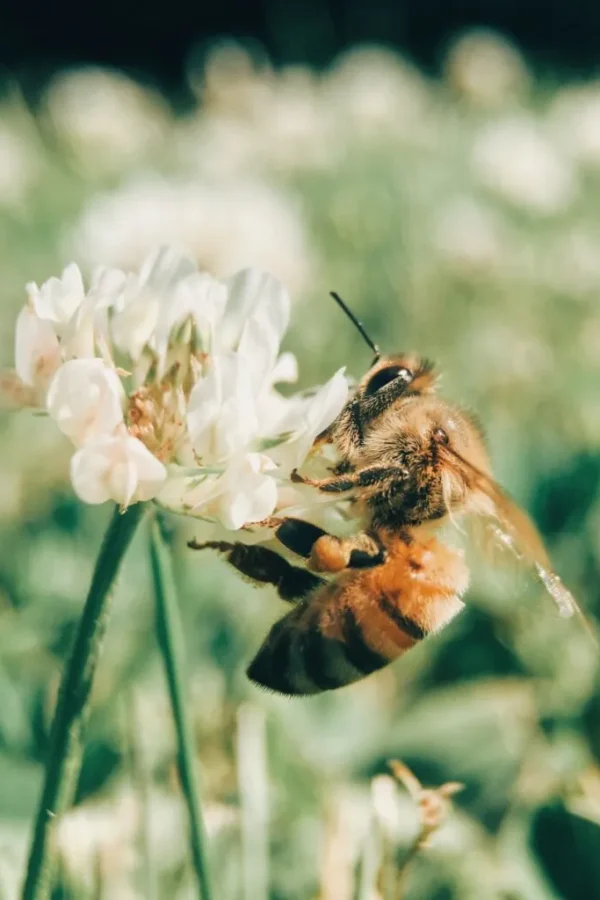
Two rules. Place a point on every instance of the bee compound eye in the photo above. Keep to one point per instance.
(384, 376)
(440, 436)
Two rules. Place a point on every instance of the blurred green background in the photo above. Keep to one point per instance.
(460, 218)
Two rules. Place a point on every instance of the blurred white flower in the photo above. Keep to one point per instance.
(105, 118)
(194, 417)
(116, 467)
(574, 120)
(17, 164)
(86, 399)
(231, 79)
(486, 68)
(224, 227)
(395, 817)
(297, 125)
(289, 125)
(468, 236)
(375, 92)
(513, 157)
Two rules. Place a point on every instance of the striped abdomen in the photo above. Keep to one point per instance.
(362, 621)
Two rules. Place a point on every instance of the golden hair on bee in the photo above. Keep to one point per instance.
(407, 461)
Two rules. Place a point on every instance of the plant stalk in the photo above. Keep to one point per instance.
(169, 630)
(66, 734)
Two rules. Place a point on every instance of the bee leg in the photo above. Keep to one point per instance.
(328, 553)
(368, 477)
(263, 566)
(298, 536)
(360, 551)
(324, 437)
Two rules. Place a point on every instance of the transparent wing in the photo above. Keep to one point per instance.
(507, 527)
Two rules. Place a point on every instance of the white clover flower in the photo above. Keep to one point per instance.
(513, 157)
(376, 92)
(469, 237)
(165, 383)
(224, 226)
(18, 163)
(116, 467)
(107, 120)
(486, 68)
(574, 120)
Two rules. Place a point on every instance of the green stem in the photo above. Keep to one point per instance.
(169, 631)
(66, 734)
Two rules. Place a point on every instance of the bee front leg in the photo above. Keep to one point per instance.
(370, 476)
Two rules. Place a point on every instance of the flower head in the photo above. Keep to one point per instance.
(165, 382)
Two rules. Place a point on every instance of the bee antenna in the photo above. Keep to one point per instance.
(358, 325)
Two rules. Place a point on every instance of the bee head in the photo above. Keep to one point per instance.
(408, 373)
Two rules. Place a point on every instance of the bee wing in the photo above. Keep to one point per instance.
(509, 527)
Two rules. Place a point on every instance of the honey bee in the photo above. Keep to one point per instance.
(407, 461)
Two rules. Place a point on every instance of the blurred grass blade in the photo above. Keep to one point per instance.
(172, 646)
(253, 785)
(65, 746)
(141, 782)
(370, 860)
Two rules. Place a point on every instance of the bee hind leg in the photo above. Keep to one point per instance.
(263, 566)
(359, 551)
(327, 553)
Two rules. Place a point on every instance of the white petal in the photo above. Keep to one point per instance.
(116, 467)
(248, 492)
(163, 268)
(135, 317)
(59, 298)
(107, 286)
(254, 499)
(244, 493)
(198, 297)
(121, 478)
(86, 398)
(150, 472)
(88, 328)
(89, 467)
(145, 297)
(222, 416)
(78, 339)
(285, 370)
(308, 417)
(37, 351)
(255, 295)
